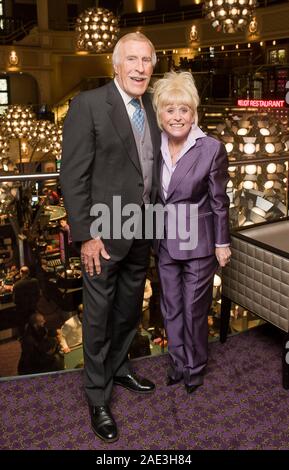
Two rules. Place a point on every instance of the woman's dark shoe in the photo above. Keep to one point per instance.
(170, 381)
(103, 424)
(191, 388)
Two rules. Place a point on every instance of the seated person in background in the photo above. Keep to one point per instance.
(26, 294)
(40, 351)
(71, 331)
(146, 305)
(52, 198)
(13, 273)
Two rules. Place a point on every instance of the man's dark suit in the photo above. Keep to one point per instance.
(100, 160)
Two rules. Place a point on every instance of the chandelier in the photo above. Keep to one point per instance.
(46, 137)
(97, 30)
(229, 16)
(25, 142)
(24, 139)
(17, 121)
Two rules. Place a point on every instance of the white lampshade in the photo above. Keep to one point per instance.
(229, 147)
(269, 184)
(264, 131)
(242, 131)
(217, 280)
(270, 148)
(271, 168)
(251, 169)
(249, 148)
(248, 184)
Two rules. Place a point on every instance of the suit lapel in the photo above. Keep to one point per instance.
(160, 176)
(184, 165)
(152, 122)
(122, 124)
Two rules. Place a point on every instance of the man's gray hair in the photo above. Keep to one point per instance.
(137, 36)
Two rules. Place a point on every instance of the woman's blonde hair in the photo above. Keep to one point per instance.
(175, 88)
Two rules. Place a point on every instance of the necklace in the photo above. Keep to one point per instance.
(174, 152)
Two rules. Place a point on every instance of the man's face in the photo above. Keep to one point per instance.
(134, 70)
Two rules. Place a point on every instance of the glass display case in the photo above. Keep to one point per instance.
(258, 190)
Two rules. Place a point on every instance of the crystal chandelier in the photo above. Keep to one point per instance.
(46, 137)
(17, 121)
(229, 16)
(24, 139)
(97, 30)
(24, 143)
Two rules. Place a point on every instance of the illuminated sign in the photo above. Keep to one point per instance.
(262, 103)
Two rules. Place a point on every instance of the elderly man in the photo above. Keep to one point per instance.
(110, 142)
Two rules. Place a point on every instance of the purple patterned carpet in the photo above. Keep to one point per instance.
(242, 405)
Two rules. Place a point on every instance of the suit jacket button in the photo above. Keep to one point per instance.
(140, 184)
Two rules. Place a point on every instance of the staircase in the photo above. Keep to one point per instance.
(13, 30)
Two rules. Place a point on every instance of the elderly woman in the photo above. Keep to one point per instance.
(192, 174)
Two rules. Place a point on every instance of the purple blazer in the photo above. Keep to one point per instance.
(200, 178)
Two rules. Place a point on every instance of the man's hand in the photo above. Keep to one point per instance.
(223, 255)
(90, 255)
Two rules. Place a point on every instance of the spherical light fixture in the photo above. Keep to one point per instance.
(17, 121)
(97, 30)
(37, 139)
(229, 16)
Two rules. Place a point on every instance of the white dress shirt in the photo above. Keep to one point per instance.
(127, 99)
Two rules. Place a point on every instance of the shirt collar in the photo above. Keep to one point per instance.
(195, 133)
(126, 98)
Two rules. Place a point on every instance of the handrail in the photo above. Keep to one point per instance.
(138, 19)
(30, 177)
(17, 33)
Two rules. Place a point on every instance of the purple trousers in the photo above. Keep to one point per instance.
(186, 296)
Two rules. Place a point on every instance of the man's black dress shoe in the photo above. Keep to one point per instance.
(103, 424)
(191, 388)
(135, 384)
(171, 381)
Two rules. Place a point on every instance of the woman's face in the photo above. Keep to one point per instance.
(177, 120)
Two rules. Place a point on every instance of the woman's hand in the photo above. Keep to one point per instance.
(223, 255)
